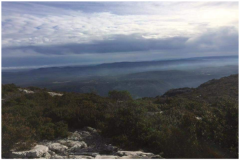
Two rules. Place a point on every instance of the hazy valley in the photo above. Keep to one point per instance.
(141, 79)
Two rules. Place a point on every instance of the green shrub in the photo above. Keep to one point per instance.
(190, 126)
(16, 134)
(119, 95)
(61, 129)
(47, 131)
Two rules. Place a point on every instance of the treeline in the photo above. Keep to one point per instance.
(183, 126)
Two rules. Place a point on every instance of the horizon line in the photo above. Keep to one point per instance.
(96, 64)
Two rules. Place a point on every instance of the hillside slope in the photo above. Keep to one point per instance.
(197, 122)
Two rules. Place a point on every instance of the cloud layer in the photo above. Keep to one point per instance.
(163, 29)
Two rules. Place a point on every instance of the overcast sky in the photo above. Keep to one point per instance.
(65, 33)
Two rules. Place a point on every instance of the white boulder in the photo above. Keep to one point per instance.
(106, 157)
(55, 94)
(58, 157)
(78, 146)
(134, 153)
(75, 136)
(19, 154)
(80, 157)
(58, 148)
(92, 130)
(47, 155)
(37, 152)
(85, 133)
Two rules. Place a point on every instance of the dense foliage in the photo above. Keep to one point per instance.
(202, 123)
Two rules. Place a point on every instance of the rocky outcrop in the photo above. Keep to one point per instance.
(25, 91)
(31, 92)
(81, 144)
(78, 146)
(22, 154)
(55, 94)
(58, 148)
(37, 152)
(136, 155)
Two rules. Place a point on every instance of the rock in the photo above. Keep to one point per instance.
(58, 148)
(133, 153)
(198, 118)
(78, 146)
(109, 149)
(47, 155)
(46, 143)
(25, 91)
(68, 143)
(73, 147)
(80, 157)
(51, 153)
(19, 154)
(92, 154)
(58, 157)
(37, 152)
(137, 155)
(28, 92)
(55, 94)
(62, 141)
(92, 130)
(75, 136)
(85, 134)
(71, 143)
(126, 157)
(106, 157)
(156, 157)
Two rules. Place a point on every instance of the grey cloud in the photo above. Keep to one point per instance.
(46, 23)
(221, 40)
(117, 43)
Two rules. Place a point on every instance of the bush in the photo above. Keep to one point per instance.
(61, 129)
(16, 134)
(8, 89)
(119, 95)
(46, 131)
(189, 125)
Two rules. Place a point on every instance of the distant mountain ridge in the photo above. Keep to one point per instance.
(141, 79)
(135, 63)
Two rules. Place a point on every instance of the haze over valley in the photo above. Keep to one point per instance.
(141, 79)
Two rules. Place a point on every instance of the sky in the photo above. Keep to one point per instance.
(38, 34)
